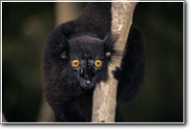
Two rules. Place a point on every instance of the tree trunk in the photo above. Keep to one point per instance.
(3, 118)
(104, 99)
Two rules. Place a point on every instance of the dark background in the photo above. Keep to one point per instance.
(25, 27)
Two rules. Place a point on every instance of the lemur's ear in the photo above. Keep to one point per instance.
(64, 51)
(63, 55)
(109, 42)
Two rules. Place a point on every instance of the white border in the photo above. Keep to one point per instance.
(93, 1)
(184, 70)
(1, 66)
(149, 123)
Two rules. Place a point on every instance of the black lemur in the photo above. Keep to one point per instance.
(76, 58)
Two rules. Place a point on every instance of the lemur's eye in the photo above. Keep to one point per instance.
(75, 63)
(98, 63)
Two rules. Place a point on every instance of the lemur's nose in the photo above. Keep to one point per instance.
(87, 83)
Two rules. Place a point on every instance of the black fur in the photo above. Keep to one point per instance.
(69, 90)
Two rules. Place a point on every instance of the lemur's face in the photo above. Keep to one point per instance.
(88, 60)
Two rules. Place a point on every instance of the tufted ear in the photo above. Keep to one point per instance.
(63, 55)
(63, 50)
(109, 42)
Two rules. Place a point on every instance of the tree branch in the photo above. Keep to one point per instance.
(104, 98)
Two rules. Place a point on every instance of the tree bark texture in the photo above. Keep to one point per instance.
(104, 99)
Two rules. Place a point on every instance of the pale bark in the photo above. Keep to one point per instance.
(3, 118)
(66, 11)
(104, 99)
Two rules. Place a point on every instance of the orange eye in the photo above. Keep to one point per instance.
(75, 63)
(98, 63)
